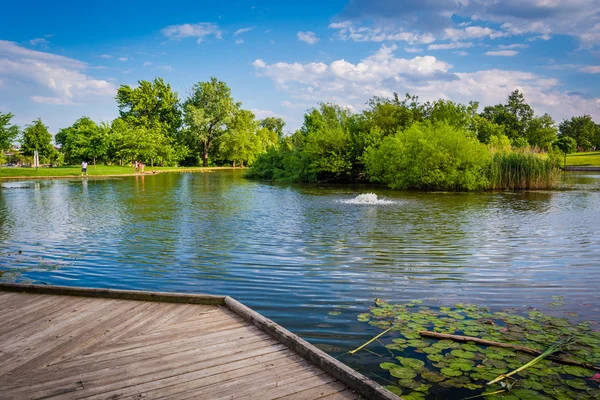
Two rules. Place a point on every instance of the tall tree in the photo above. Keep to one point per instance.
(36, 137)
(153, 105)
(208, 111)
(8, 132)
(515, 115)
(84, 140)
(583, 129)
(566, 145)
(240, 142)
(274, 124)
(542, 132)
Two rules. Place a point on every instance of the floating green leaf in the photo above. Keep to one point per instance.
(577, 371)
(462, 353)
(433, 376)
(403, 373)
(451, 372)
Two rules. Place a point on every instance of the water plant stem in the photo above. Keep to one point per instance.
(556, 347)
(370, 341)
(461, 338)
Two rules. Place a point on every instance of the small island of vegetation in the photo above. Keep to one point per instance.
(401, 143)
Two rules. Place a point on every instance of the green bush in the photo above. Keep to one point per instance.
(430, 157)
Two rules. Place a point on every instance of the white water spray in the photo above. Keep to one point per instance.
(367, 198)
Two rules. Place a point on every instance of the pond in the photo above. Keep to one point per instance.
(310, 257)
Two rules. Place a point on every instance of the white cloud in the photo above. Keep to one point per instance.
(49, 77)
(382, 74)
(513, 46)
(472, 32)
(147, 63)
(347, 31)
(198, 31)
(449, 46)
(239, 41)
(42, 42)
(502, 53)
(413, 49)
(461, 53)
(261, 114)
(308, 37)
(107, 56)
(243, 30)
(123, 59)
(51, 100)
(592, 69)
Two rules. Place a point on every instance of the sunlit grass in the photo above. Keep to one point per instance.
(99, 170)
(590, 158)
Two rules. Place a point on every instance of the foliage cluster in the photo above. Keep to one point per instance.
(440, 145)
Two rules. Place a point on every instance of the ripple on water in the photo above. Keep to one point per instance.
(295, 253)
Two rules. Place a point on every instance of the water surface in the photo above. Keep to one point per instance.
(297, 252)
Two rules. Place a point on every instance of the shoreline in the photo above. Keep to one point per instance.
(149, 173)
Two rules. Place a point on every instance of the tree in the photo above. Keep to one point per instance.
(273, 124)
(515, 115)
(36, 137)
(566, 145)
(84, 140)
(208, 111)
(390, 115)
(240, 142)
(542, 132)
(151, 105)
(8, 132)
(583, 129)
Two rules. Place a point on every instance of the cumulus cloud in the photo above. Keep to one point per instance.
(538, 19)
(107, 56)
(502, 53)
(123, 59)
(382, 73)
(239, 41)
(413, 49)
(308, 37)
(199, 31)
(52, 79)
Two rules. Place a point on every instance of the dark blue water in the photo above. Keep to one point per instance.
(297, 252)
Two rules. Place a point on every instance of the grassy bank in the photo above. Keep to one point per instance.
(100, 170)
(591, 158)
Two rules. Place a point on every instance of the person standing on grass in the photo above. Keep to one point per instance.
(84, 168)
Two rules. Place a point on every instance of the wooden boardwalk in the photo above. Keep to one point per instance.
(72, 347)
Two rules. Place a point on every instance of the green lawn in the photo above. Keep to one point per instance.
(100, 170)
(590, 158)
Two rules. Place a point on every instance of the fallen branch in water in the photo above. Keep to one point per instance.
(461, 338)
(370, 341)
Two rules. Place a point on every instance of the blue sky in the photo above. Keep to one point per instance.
(62, 60)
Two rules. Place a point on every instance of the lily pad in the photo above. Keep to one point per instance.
(433, 376)
(334, 313)
(462, 353)
(388, 365)
(411, 362)
(403, 373)
(451, 372)
(577, 371)
(577, 384)
(394, 389)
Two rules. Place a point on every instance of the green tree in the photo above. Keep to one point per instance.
(455, 114)
(8, 132)
(208, 112)
(84, 140)
(390, 115)
(583, 129)
(273, 124)
(566, 145)
(36, 137)
(515, 115)
(542, 132)
(240, 142)
(153, 105)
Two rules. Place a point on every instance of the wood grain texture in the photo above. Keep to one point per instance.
(61, 344)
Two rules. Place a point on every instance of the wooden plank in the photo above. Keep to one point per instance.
(149, 379)
(114, 294)
(121, 375)
(65, 345)
(315, 356)
(317, 392)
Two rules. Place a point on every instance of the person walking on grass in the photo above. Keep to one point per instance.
(84, 168)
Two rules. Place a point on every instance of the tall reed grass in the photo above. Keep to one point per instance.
(522, 170)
